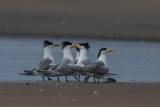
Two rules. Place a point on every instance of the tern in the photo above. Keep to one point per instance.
(47, 61)
(99, 67)
(83, 59)
(64, 68)
(82, 55)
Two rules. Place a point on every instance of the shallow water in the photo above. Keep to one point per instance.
(133, 61)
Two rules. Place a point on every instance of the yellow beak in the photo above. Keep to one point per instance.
(74, 46)
(57, 45)
(111, 51)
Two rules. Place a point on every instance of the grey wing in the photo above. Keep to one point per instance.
(86, 62)
(98, 64)
(94, 66)
(100, 70)
(88, 68)
(66, 71)
(45, 64)
(63, 68)
(61, 64)
(80, 70)
(53, 67)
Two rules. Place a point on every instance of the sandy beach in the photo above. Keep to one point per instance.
(74, 94)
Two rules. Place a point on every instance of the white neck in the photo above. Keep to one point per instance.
(83, 56)
(103, 58)
(48, 53)
(67, 54)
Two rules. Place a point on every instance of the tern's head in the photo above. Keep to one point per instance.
(49, 44)
(84, 46)
(104, 51)
(68, 44)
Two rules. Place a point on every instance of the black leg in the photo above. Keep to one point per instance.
(85, 79)
(98, 80)
(94, 79)
(43, 78)
(66, 79)
(49, 78)
(88, 78)
(79, 77)
(76, 78)
(58, 78)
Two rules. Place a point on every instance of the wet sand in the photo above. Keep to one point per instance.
(74, 94)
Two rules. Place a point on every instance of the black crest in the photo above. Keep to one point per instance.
(47, 43)
(65, 43)
(86, 45)
(102, 49)
(78, 49)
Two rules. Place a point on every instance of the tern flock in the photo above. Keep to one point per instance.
(81, 66)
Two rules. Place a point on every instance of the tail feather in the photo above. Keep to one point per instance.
(28, 71)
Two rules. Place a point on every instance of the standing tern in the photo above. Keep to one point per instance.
(83, 59)
(99, 67)
(48, 60)
(64, 68)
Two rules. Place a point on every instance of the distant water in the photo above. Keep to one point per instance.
(133, 61)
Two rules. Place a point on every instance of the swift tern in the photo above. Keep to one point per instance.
(83, 59)
(48, 60)
(64, 68)
(99, 67)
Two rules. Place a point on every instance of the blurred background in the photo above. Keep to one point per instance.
(110, 19)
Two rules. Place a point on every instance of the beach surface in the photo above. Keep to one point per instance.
(79, 94)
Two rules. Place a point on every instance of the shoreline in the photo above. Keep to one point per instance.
(74, 82)
(75, 37)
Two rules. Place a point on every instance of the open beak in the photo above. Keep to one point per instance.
(74, 46)
(111, 51)
(57, 45)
